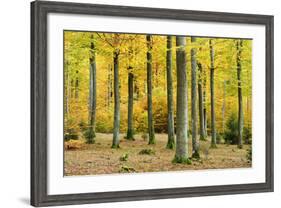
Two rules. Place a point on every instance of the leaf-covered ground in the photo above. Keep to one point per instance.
(99, 158)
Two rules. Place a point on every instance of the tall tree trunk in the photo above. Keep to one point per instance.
(156, 74)
(109, 86)
(67, 89)
(76, 90)
(136, 88)
(201, 110)
(239, 45)
(171, 132)
(195, 145)
(223, 106)
(213, 118)
(181, 155)
(204, 79)
(130, 131)
(92, 95)
(116, 128)
(149, 90)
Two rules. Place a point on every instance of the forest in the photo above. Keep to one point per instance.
(145, 103)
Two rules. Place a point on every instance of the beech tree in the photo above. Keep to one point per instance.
(213, 117)
(182, 120)
(171, 131)
(92, 94)
(130, 131)
(116, 128)
(239, 45)
(195, 145)
(200, 103)
(149, 90)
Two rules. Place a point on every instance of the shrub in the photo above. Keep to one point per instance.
(83, 126)
(124, 157)
(147, 152)
(89, 135)
(126, 169)
(231, 133)
(70, 134)
(247, 135)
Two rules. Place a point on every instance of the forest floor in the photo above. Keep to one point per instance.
(99, 158)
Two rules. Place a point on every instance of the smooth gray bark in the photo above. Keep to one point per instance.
(171, 131)
(181, 155)
(213, 117)
(109, 86)
(149, 91)
(240, 101)
(200, 104)
(116, 128)
(92, 94)
(195, 144)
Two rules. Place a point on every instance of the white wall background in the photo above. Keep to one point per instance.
(15, 101)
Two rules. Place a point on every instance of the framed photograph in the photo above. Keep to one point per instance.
(132, 103)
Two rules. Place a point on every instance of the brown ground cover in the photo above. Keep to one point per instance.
(99, 158)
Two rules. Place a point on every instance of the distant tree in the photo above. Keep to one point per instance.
(116, 128)
(223, 106)
(109, 86)
(213, 117)
(149, 89)
(201, 104)
(130, 130)
(239, 45)
(195, 145)
(76, 89)
(92, 94)
(171, 131)
(204, 86)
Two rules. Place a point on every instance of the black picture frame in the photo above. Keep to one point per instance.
(39, 98)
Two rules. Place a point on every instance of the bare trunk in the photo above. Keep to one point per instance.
(240, 101)
(130, 131)
(67, 90)
(109, 86)
(171, 132)
(223, 106)
(195, 145)
(116, 128)
(204, 79)
(149, 91)
(201, 110)
(182, 126)
(76, 89)
(92, 95)
(213, 119)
